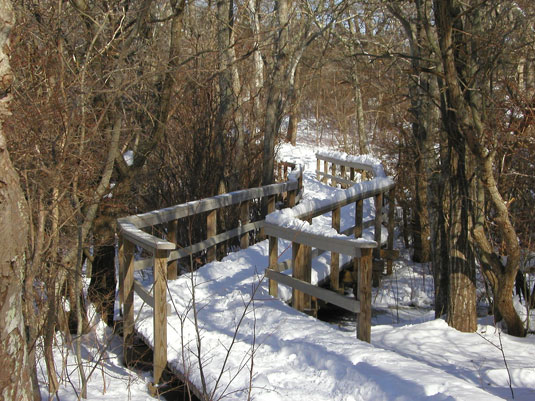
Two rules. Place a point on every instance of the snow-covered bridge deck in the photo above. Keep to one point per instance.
(229, 338)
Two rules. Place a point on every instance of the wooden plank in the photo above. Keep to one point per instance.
(325, 171)
(364, 295)
(333, 176)
(211, 231)
(206, 205)
(347, 163)
(325, 295)
(172, 268)
(128, 301)
(273, 264)
(244, 219)
(343, 176)
(345, 246)
(335, 257)
(160, 316)
(145, 240)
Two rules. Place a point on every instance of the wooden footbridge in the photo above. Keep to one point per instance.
(362, 180)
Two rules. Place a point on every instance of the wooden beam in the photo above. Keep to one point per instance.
(145, 240)
(325, 295)
(359, 213)
(325, 171)
(338, 179)
(206, 205)
(364, 295)
(356, 165)
(160, 316)
(345, 246)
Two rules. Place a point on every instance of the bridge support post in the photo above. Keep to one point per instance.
(160, 315)
(364, 294)
(127, 290)
(326, 170)
(333, 173)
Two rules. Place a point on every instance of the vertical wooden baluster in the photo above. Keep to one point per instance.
(377, 236)
(211, 230)
(364, 294)
(343, 174)
(390, 242)
(273, 262)
(160, 315)
(326, 170)
(318, 166)
(172, 268)
(127, 262)
(333, 173)
(352, 173)
(298, 272)
(244, 218)
(335, 257)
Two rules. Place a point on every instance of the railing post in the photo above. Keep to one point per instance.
(378, 271)
(390, 242)
(127, 262)
(160, 315)
(352, 173)
(335, 257)
(244, 218)
(326, 171)
(211, 230)
(343, 174)
(273, 262)
(172, 268)
(333, 173)
(364, 294)
(318, 167)
(270, 208)
(359, 214)
(298, 272)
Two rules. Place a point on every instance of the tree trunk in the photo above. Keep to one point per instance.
(16, 377)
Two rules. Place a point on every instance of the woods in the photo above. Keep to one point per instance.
(117, 107)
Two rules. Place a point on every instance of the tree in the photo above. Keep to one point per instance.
(13, 240)
(473, 75)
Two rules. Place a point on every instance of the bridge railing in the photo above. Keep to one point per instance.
(164, 252)
(367, 255)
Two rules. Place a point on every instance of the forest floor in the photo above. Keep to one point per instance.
(255, 345)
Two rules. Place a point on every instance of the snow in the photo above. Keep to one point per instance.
(252, 342)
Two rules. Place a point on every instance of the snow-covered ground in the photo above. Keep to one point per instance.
(254, 345)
